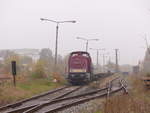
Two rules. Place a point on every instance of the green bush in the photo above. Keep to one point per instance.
(148, 74)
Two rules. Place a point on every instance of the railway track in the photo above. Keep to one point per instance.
(26, 104)
(60, 104)
(62, 98)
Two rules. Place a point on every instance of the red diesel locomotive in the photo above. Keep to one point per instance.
(80, 68)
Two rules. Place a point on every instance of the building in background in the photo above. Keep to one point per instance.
(33, 53)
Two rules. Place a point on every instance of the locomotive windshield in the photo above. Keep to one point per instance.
(80, 53)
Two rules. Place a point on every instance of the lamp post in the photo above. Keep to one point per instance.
(87, 41)
(97, 51)
(57, 27)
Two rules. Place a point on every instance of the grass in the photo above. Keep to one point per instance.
(37, 86)
(25, 88)
(138, 100)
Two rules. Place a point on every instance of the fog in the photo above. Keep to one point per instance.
(116, 23)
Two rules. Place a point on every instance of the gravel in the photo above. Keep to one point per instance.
(88, 107)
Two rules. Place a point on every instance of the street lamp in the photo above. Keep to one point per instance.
(87, 41)
(57, 26)
(97, 50)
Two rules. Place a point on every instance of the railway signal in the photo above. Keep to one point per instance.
(57, 27)
(14, 71)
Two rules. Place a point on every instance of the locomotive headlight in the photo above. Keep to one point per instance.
(72, 75)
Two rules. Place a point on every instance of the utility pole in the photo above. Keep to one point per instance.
(117, 67)
(97, 57)
(104, 60)
(147, 45)
(87, 43)
(109, 60)
(56, 46)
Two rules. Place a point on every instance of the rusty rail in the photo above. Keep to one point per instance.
(107, 93)
(81, 101)
(22, 109)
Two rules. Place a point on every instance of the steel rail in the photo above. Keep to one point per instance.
(36, 108)
(67, 98)
(63, 106)
(67, 93)
(18, 103)
(22, 109)
(62, 99)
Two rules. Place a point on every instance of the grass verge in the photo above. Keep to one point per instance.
(138, 100)
(25, 88)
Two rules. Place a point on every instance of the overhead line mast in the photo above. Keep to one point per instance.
(117, 66)
(147, 45)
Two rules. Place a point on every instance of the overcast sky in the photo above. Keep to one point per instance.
(117, 23)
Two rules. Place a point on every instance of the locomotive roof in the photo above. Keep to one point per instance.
(82, 52)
